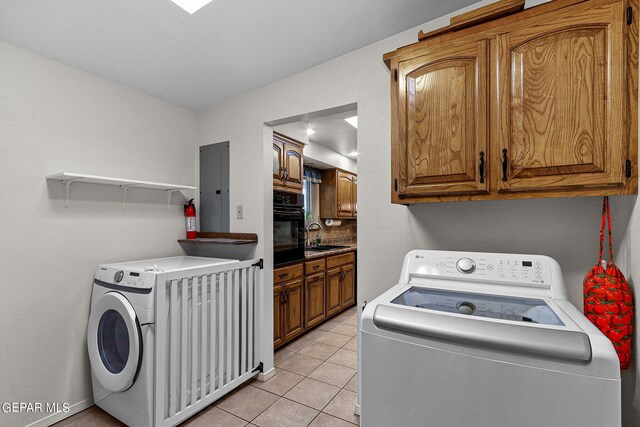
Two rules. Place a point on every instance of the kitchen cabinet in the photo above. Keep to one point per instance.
(293, 305)
(288, 303)
(287, 163)
(306, 294)
(340, 282)
(541, 103)
(314, 300)
(338, 194)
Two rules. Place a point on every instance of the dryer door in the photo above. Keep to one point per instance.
(114, 342)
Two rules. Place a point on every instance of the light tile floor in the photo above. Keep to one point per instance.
(315, 385)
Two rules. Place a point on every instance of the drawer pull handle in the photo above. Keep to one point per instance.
(283, 275)
(315, 267)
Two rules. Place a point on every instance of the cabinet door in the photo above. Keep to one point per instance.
(333, 290)
(278, 166)
(293, 166)
(354, 194)
(278, 338)
(348, 294)
(293, 313)
(439, 117)
(314, 301)
(344, 194)
(560, 99)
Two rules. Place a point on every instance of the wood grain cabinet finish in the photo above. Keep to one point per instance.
(440, 123)
(314, 300)
(334, 286)
(306, 294)
(338, 194)
(287, 163)
(541, 103)
(562, 115)
(278, 299)
(293, 310)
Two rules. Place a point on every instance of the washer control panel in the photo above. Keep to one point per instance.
(518, 269)
(126, 278)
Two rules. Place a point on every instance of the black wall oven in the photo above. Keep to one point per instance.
(288, 227)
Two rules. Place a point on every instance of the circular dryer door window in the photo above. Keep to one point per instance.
(114, 342)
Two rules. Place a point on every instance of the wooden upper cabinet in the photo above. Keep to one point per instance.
(440, 135)
(278, 168)
(287, 163)
(540, 103)
(562, 115)
(338, 194)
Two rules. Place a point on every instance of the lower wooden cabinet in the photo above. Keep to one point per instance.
(293, 305)
(334, 283)
(347, 288)
(314, 298)
(307, 294)
(278, 298)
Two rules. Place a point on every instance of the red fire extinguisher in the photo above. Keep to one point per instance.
(190, 219)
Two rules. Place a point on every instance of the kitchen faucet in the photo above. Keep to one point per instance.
(308, 228)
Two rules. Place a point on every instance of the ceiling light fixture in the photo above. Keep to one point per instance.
(353, 121)
(310, 131)
(192, 6)
(353, 154)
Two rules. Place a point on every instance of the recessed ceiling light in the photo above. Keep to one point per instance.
(353, 154)
(310, 131)
(192, 6)
(353, 121)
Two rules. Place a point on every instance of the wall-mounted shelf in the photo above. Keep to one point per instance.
(68, 178)
(223, 239)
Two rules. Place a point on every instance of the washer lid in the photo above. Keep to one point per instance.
(114, 342)
(531, 310)
(490, 321)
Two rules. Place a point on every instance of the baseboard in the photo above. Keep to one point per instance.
(263, 376)
(59, 416)
(357, 410)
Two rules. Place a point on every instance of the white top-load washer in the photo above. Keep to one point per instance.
(484, 339)
(121, 333)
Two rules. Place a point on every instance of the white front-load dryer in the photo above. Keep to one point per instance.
(120, 338)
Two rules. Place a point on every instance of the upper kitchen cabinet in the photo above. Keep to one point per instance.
(338, 194)
(287, 163)
(540, 103)
(439, 120)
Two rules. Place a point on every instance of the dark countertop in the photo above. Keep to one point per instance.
(319, 254)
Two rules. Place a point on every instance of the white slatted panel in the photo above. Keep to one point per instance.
(208, 345)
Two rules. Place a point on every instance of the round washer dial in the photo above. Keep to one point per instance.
(465, 265)
(118, 276)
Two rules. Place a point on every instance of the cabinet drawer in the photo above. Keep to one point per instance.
(287, 273)
(341, 259)
(314, 266)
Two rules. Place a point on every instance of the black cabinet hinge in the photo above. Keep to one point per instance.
(395, 74)
(259, 264)
(395, 184)
(627, 168)
(629, 15)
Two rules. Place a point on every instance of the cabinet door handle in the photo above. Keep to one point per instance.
(505, 163)
(286, 174)
(481, 166)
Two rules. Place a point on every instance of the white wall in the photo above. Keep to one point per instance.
(54, 118)
(566, 229)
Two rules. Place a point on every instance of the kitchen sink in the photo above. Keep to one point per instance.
(321, 248)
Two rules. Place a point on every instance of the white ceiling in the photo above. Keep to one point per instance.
(334, 133)
(227, 48)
